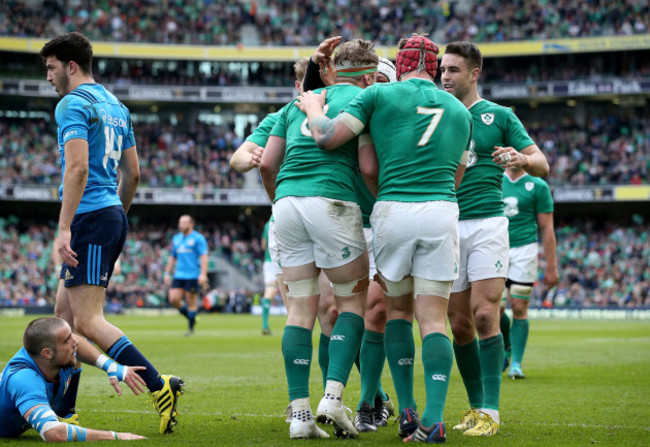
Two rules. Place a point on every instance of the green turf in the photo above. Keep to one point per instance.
(587, 384)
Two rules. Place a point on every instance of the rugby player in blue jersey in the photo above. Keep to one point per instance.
(189, 255)
(96, 140)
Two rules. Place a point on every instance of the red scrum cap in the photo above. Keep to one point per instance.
(418, 53)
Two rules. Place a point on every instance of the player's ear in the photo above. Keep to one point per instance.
(47, 353)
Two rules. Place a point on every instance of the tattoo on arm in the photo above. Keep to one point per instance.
(324, 129)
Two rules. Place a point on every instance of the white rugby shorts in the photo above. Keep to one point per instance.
(484, 251)
(523, 263)
(416, 238)
(367, 232)
(273, 252)
(318, 229)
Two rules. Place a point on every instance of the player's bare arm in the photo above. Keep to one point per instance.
(328, 134)
(270, 164)
(130, 177)
(368, 164)
(74, 184)
(530, 159)
(203, 277)
(246, 157)
(547, 232)
(43, 419)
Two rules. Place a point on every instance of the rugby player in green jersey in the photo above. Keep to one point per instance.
(500, 141)
(528, 205)
(420, 136)
(319, 226)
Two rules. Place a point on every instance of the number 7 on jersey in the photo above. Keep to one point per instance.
(435, 120)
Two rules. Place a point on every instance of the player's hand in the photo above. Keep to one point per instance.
(507, 157)
(167, 280)
(203, 280)
(310, 99)
(551, 277)
(63, 247)
(327, 72)
(325, 49)
(256, 156)
(130, 377)
(129, 437)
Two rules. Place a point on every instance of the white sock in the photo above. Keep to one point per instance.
(494, 414)
(334, 388)
(300, 404)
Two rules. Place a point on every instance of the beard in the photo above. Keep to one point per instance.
(61, 84)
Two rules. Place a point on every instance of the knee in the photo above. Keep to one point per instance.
(486, 319)
(376, 317)
(519, 311)
(462, 327)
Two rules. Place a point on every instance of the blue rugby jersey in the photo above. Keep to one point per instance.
(92, 113)
(188, 251)
(23, 386)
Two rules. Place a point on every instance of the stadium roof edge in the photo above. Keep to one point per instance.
(287, 54)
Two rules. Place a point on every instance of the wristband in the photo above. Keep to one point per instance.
(112, 368)
(115, 435)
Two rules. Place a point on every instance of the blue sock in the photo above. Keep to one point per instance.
(191, 316)
(125, 353)
(183, 310)
(66, 405)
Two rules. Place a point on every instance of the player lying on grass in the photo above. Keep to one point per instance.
(34, 386)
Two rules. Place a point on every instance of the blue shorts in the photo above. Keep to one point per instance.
(189, 285)
(97, 238)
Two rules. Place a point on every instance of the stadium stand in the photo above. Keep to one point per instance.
(30, 271)
(295, 23)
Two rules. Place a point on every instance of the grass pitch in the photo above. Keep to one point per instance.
(587, 384)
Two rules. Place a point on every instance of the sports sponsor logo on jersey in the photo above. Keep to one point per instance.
(337, 337)
(439, 377)
(471, 160)
(304, 362)
(405, 361)
(69, 133)
(529, 186)
(510, 206)
(488, 118)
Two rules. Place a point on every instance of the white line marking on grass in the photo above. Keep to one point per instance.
(192, 413)
(276, 416)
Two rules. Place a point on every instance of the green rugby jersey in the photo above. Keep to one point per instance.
(261, 133)
(307, 170)
(265, 236)
(479, 195)
(523, 200)
(419, 133)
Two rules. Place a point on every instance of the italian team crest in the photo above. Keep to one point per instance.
(529, 186)
(488, 118)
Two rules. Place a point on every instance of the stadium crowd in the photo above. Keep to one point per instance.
(170, 157)
(612, 149)
(307, 23)
(600, 266)
(29, 270)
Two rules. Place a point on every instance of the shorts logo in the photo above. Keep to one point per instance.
(346, 253)
(529, 186)
(104, 277)
(304, 362)
(337, 337)
(488, 118)
(68, 276)
(498, 265)
(405, 361)
(439, 377)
